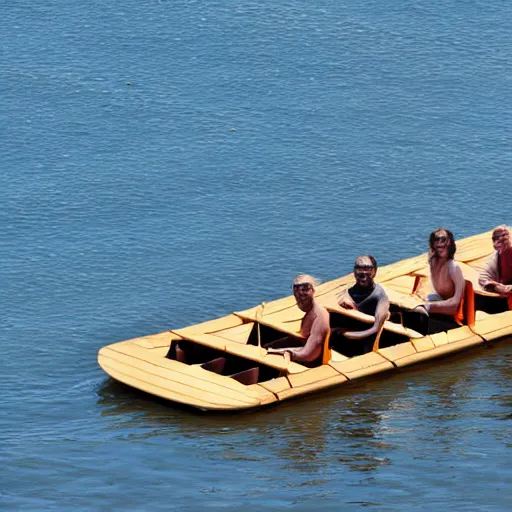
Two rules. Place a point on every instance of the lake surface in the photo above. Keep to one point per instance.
(164, 163)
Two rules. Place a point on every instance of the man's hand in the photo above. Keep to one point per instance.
(490, 286)
(421, 309)
(279, 350)
(346, 302)
(503, 289)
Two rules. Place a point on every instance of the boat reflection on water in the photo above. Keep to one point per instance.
(338, 427)
(360, 429)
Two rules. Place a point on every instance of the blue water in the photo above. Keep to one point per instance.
(164, 163)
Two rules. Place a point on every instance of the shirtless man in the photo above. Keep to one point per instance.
(496, 276)
(368, 297)
(314, 326)
(446, 276)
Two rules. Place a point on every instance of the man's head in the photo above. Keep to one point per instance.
(442, 244)
(304, 291)
(501, 238)
(365, 268)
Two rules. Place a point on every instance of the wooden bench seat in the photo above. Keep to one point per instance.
(278, 326)
(368, 319)
(251, 352)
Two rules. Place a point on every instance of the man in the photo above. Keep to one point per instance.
(314, 325)
(368, 297)
(445, 275)
(496, 276)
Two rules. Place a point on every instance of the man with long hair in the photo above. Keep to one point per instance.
(496, 276)
(445, 275)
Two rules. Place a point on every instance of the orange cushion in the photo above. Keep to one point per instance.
(466, 312)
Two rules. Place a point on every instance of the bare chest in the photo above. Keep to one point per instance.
(441, 279)
(307, 323)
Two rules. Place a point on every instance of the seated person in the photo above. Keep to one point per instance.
(445, 275)
(368, 297)
(496, 276)
(314, 325)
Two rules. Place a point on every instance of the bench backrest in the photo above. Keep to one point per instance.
(326, 350)
(466, 312)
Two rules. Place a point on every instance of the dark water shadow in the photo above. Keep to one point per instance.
(341, 425)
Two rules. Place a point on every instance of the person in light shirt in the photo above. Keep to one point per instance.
(496, 276)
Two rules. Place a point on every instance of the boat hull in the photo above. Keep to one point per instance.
(230, 371)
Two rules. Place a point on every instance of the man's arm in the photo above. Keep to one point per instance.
(488, 275)
(381, 315)
(451, 305)
(503, 289)
(286, 341)
(489, 278)
(345, 301)
(313, 347)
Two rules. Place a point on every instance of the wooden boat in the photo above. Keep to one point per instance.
(230, 370)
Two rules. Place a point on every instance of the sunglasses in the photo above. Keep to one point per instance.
(304, 287)
(495, 238)
(363, 267)
(441, 239)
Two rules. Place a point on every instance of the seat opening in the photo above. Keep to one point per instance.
(352, 348)
(269, 335)
(220, 362)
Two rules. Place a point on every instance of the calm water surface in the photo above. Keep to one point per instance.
(164, 163)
